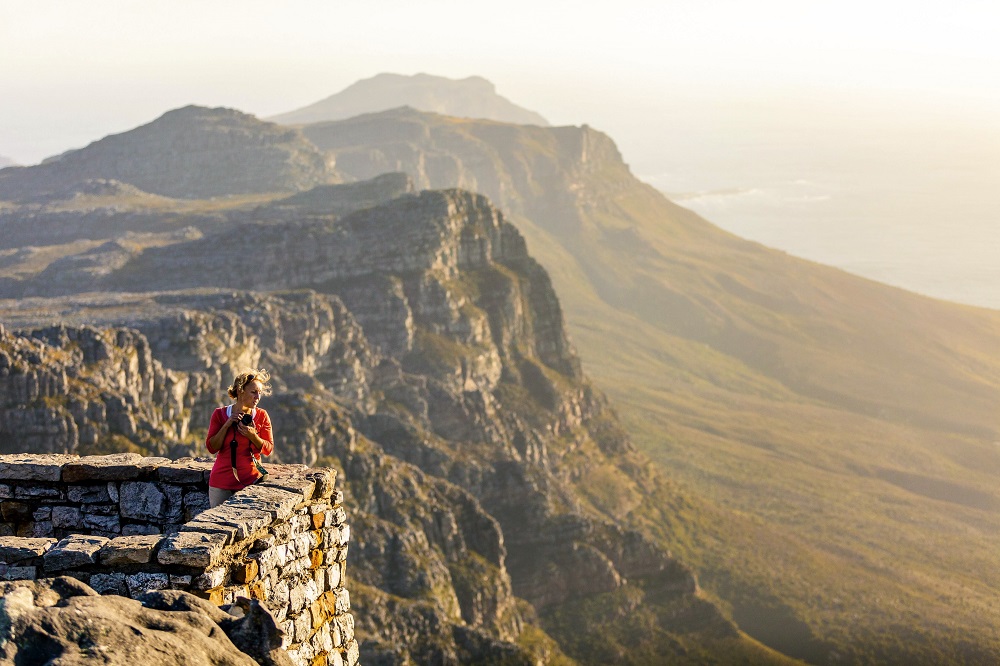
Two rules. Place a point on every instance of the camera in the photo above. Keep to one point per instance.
(246, 419)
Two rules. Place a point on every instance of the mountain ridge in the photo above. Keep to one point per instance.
(192, 153)
(810, 424)
(730, 357)
(473, 97)
(434, 369)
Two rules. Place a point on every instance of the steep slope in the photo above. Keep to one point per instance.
(419, 347)
(190, 153)
(472, 97)
(853, 423)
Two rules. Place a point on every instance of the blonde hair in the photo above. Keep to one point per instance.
(247, 376)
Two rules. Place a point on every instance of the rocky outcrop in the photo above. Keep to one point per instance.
(123, 524)
(189, 153)
(544, 173)
(417, 345)
(62, 619)
(90, 390)
(334, 200)
(472, 97)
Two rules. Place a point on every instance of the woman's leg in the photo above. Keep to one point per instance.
(217, 496)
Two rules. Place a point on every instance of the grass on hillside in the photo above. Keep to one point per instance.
(829, 530)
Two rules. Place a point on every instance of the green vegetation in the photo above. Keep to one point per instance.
(112, 443)
(824, 449)
(833, 439)
(627, 627)
(828, 444)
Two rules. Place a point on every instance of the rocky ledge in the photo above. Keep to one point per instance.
(126, 525)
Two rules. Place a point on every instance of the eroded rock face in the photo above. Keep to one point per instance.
(64, 620)
(523, 169)
(89, 390)
(417, 346)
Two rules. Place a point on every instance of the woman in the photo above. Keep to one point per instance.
(239, 434)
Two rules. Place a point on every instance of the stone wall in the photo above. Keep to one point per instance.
(125, 524)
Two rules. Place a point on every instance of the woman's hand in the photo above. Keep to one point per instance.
(250, 432)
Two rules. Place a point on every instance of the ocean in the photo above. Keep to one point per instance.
(912, 205)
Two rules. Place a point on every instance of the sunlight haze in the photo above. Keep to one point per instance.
(619, 333)
(75, 71)
(700, 97)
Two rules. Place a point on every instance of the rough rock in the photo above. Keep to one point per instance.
(415, 345)
(64, 621)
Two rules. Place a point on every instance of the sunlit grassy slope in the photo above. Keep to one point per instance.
(835, 440)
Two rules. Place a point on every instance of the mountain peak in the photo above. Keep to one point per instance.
(471, 97)
(191, 152)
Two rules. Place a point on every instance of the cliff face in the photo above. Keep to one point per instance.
(416, 345)
(189, 153)
(751, 374)
(631, 251)
(545, 173)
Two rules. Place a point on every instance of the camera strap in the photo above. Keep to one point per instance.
(232, 456)
(232, 447)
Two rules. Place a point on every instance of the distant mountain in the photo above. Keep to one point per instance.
(6, 162)
(190, 153)
(473, 97)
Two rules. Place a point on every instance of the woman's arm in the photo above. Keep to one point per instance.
(217, 429)
(259, 434)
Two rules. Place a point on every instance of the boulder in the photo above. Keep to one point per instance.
(64, 621)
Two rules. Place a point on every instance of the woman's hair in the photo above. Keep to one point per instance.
(247, 376)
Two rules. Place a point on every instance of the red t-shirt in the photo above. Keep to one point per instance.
(222, 472)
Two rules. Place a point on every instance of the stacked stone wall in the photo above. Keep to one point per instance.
(125, 524)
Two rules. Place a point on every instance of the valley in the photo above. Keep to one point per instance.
(819, 449)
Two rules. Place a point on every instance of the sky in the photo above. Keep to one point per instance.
(864, 134)
(72, 72)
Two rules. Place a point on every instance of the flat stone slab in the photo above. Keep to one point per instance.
(114, 467)
(34, 467)
(247, 519)
(89, 494)
(185, 471)
(137, 549)
(301, 486)
(74, 551)
(326, 481)
(143, 581)
(191, 549)
(143, 500)
(199, 525)
(279, 503)
(18, 573)
(17, 549)
(148, 466)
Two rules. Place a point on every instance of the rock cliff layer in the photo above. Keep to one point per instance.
(418, 346)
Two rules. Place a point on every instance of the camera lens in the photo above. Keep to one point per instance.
(246, 419)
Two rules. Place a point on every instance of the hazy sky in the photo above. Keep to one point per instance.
(73, 71)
